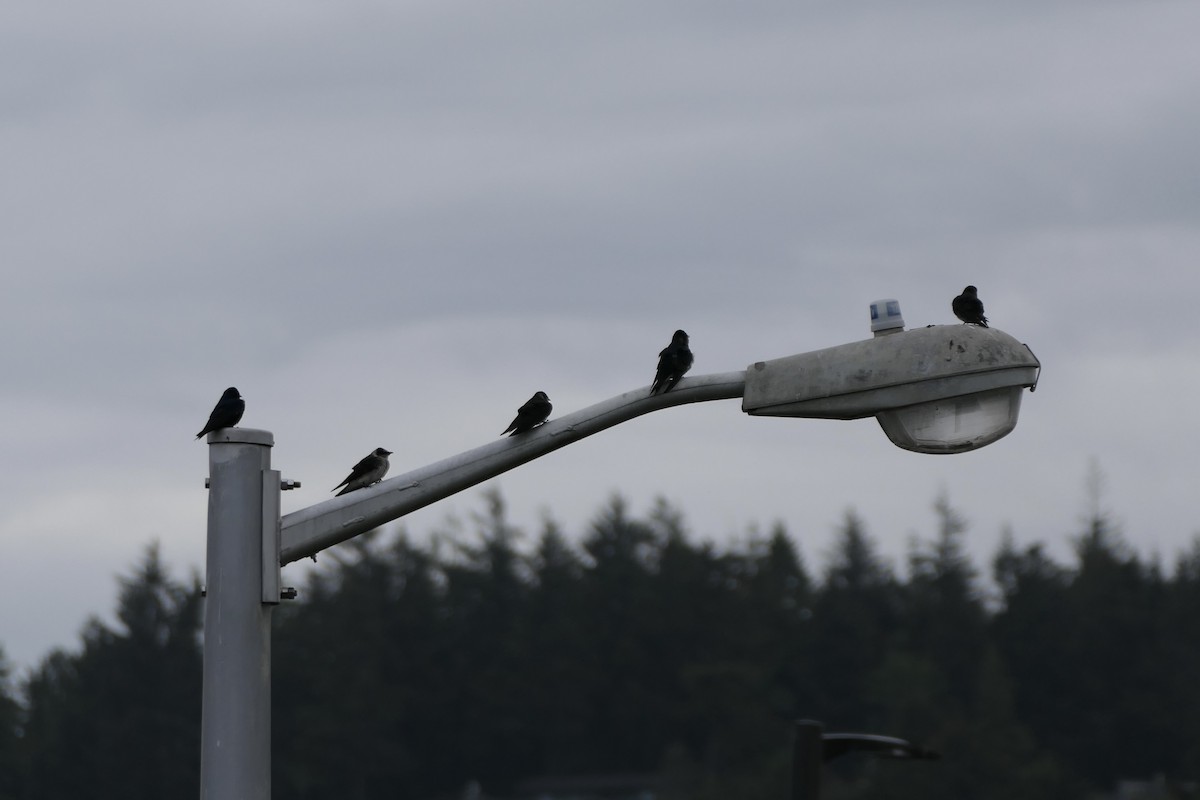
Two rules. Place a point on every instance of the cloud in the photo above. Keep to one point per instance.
(388, 225)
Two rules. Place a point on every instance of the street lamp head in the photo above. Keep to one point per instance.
(940, 389)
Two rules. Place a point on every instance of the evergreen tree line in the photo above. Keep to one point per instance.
(407, 670)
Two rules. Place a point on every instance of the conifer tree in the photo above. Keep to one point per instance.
(10, 754)
(855, 615)
(944, 618)
(121, 718)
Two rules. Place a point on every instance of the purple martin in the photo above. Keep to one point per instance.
(227, 412)
(370, 470)
(969, 308)
(674, 360)
(529, 416)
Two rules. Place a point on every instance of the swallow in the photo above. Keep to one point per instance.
(674, 360)
(370, 470)
(227, 412)
(529, 416)
(969, 308)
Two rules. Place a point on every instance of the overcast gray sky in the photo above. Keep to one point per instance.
(389, 223)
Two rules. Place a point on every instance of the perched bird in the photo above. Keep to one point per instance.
(226, 413)
(969, 308)
(674, 360)
(529, 416)
(370, 470)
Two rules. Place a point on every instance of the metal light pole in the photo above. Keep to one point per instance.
(244, 559)
(812, 748)
(235, 727)
(807, 758)
(941, 389)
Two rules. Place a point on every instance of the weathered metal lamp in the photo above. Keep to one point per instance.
(940, 389)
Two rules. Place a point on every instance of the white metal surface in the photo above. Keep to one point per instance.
(235, 727)
(865, 378)
(310, 530)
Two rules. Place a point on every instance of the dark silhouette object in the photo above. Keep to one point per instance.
(535, 411)
(813, 747)
(366, 472)
(226, 413)
(673, 362)
(969, 308)
(838, 744)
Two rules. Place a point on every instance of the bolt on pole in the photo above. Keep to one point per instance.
(235, 728)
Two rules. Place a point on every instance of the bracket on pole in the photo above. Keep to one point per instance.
(271, 534)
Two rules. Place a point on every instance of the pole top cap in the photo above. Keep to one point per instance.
(242, 436)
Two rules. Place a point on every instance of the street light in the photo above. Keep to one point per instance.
(812, 747)
(939, 389)
(943, 389)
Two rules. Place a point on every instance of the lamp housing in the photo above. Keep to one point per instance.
(939, 389)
